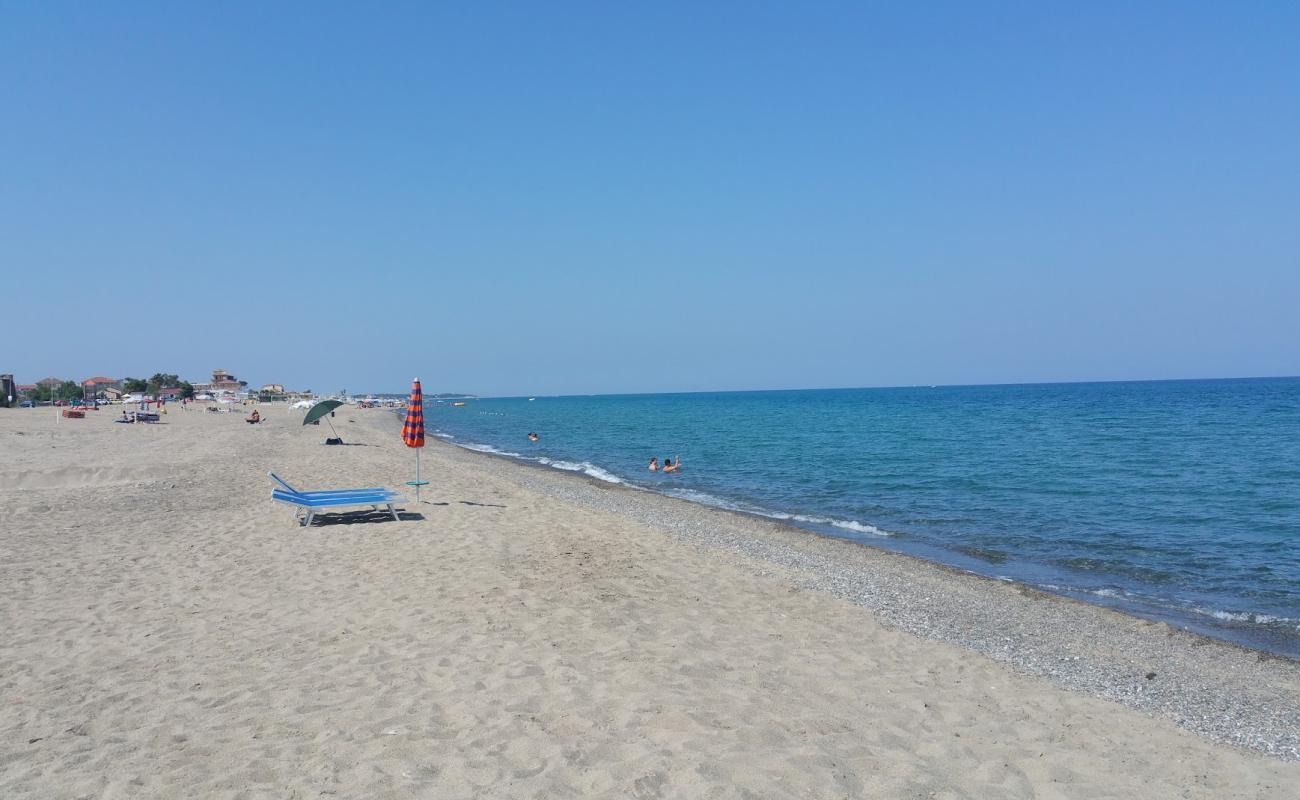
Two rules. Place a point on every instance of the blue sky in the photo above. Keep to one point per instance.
(573, 197)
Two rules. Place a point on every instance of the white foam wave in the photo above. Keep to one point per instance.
(854, 525)
(1244, 616)
(842, 524)
(705, 499)
(487, 448)
(584, 467)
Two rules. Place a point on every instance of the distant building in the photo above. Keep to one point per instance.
(272, 388)
(51, 383)
(25, 390)
(112, 393)
(222, 381)
(99, 385)
(168, 393)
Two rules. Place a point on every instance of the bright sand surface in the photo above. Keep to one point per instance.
(167, 631)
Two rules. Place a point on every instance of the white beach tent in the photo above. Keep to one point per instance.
(303, 404)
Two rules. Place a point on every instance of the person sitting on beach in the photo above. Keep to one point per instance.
(124, 418)
(254, 418)
(532, 437)
(654, 464)
(669, 466)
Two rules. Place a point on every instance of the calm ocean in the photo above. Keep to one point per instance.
(1173, 500)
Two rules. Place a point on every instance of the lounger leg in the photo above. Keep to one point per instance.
(306, 523)
(394, 512)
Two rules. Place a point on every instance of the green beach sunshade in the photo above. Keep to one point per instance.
(319, 410)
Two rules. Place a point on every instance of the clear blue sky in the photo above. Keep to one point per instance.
(542, 198)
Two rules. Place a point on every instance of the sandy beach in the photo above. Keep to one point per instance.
(168, 631)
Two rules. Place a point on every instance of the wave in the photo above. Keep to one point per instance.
(1170, 605)
(487, 448)
(704, 498)
(585, 467)
(567, 466)
(1246, 617)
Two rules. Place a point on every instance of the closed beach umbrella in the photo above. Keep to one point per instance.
(413, 432)
(320, 410)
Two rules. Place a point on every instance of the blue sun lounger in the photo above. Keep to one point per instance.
(308, 503)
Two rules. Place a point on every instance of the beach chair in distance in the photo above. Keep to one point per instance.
(308, 503)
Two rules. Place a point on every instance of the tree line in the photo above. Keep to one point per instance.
(160, 380)
(70, 390)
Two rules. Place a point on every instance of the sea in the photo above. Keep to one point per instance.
(1171, 500)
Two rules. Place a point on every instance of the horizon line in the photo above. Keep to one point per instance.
(880, 386)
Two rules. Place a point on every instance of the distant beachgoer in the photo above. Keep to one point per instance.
(654, 464)
(254, 418)
(669, 466)
(532, 437)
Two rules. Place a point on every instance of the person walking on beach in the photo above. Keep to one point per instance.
(654, 464)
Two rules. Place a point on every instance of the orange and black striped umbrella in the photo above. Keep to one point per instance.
(413, 427)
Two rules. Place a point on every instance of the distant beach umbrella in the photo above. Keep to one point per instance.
(413, 432)
(321, 409)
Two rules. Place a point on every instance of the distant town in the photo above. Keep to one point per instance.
(160, 387)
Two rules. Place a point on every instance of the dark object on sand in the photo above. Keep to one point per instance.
(334, 440)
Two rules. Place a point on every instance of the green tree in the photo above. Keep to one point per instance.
(68, 391)
(162, 380)
(187, 390)
(134, 385)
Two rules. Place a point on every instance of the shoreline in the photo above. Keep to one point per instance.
(871, 537)
(1223, 690)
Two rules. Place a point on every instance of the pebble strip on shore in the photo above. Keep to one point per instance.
(1226, 693)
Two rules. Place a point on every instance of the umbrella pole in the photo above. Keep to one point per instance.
(417, 474)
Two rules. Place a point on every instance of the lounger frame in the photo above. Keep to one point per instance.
(307, 504)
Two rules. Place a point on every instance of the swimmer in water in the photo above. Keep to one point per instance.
(654, 464)
(669, 466)
(532, 437)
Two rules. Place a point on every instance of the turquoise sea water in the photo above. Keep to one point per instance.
(1174, 500)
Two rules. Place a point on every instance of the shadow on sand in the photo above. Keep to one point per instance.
(363, 516)
(462, 502)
